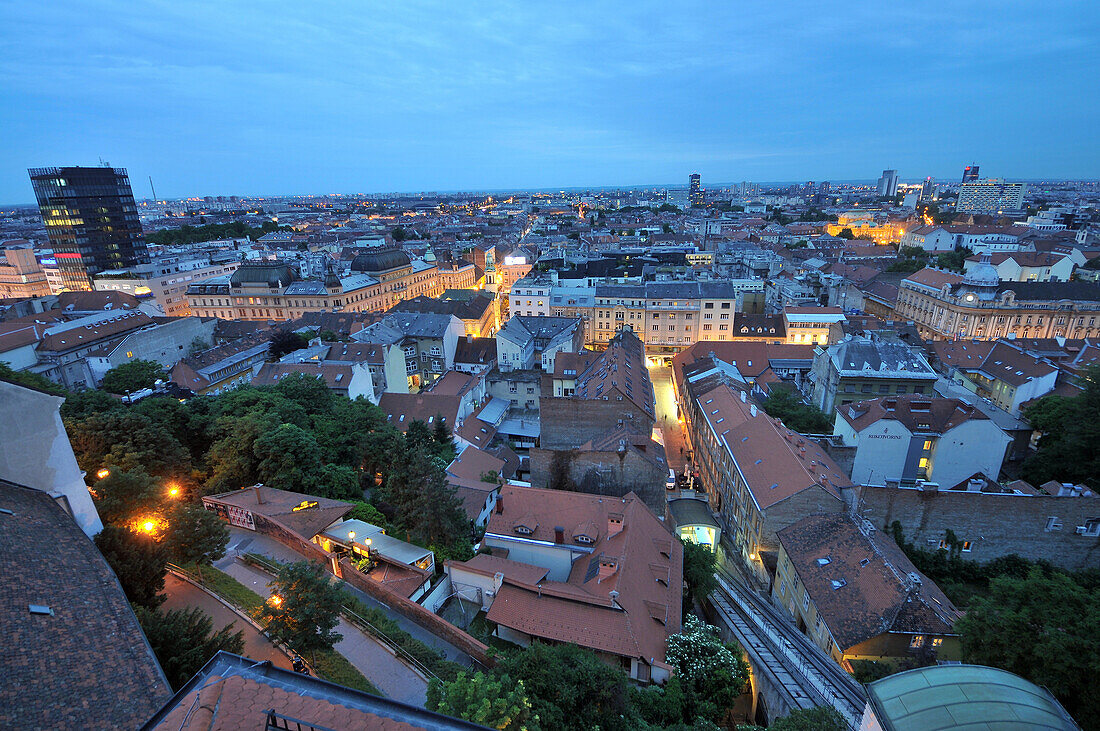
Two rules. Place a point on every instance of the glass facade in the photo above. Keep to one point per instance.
(91, 220)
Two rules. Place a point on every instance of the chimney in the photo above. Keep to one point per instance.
(500, 504)
(559, 535)
(614, 524)
(259, 495)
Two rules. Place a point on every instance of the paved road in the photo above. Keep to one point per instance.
(182, 595)
(393, 677)
(676, 446)
(244, 541)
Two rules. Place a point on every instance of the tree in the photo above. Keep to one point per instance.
(128, 440)
(846, 233)
(133, 376)
(309, 392)
(399, 233)
(1044, 627)
(571, 688)
(425, 505)
(289, 458)
(126, 496)
(1070, 446)
(954, 260)
(442, 435)
(498, 703)
(307, 608)
(785, 404)
(368, 514)
(30, 380)
(85, 403)
(715, 671)
(699, 579)
(184, 640)
(195, 535)
(138, 561)
(286, 341)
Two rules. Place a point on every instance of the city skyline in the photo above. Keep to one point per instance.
(214, 99)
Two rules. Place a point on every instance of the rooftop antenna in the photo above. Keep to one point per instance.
(103, 163)
(154, 189)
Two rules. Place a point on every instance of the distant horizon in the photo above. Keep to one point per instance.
(421, 96)
(550, 189)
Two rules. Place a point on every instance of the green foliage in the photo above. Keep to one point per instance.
(286, 341)
(571, 688)
(31, 380)
(846, 234)
(306, 617)
(85, 403)
(184, 640)
(716, 672)
(195, 535)
(368, 514)
(954, 260)
(910, 259)
(128, 440)
(490, 701)
(213, 232)
(1044, 627)
(124, 496)
(138, 561)
(289, 457)
(133, 376)
(818, 718)
(1069, 449)
(699, 579)
(425, 505)
(399, 233)
(785, 404)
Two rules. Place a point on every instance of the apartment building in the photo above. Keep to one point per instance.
(21, 276)
(759, 476)
(992, 195)
(164, 280)
(859, 368)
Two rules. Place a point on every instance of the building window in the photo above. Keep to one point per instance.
(916, 642)
(937, 641)
(967, 547)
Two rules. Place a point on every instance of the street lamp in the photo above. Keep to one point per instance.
(148, 526)
(351, 535)
(103, 473)
(173, 491)
(275, 600)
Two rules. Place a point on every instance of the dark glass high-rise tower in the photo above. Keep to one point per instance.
(91, 220)
(970, 174)
(695, 193)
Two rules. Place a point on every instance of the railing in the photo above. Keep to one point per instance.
(279, 722)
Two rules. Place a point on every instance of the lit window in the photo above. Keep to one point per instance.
(923, 462)
(966, 547)
(129, 354)
(937, 642)
(927, 444)
(916, 642)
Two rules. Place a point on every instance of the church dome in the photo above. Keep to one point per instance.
(381, 260)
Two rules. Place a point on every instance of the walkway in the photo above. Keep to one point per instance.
(245, 541)
(182, 595)
(393, 677)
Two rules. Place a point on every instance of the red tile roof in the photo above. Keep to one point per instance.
(403, 408)
(917, 413)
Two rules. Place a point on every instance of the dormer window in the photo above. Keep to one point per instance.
(523, 530)
(583, 539)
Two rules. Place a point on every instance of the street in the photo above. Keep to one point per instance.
(676, 447)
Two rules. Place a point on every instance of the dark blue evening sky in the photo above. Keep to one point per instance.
(236, 97)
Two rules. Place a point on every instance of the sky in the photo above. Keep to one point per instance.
(254, 97)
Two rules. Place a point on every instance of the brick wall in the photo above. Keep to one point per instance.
(603, 473)
(412, 611)
(291, 540)
(568, 422)
(996, 525)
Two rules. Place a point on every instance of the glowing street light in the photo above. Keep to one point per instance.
(103, 473)
(275, 600)
(173, 491)
(148, 526)
(351, 535)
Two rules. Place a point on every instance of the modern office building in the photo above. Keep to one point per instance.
(888, 183)
(928, 189)
(695, 193)
(91, 220)
(990, 196)
(970, 174)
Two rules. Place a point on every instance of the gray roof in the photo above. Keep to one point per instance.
(964, 696)
(1077, 290)
(884, 358)
(689, 511)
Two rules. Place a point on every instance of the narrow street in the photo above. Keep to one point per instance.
(676, 446)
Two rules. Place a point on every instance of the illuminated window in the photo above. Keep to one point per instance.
(129, 354)
(923, 463)
(937, 642)
(916, 642)
(966, 546)
(927, 444)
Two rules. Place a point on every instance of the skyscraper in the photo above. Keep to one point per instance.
(695, 193)
(970, 174)
(91, 221)
(888, 183)
(928, 189)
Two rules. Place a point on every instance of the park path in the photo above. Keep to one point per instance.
(245, 541)
(393, 677)
(182, 595)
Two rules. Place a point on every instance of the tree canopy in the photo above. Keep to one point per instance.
(138, 561)
(132, 376)
(212, 232)
(785, 404)
(184, 640)
(305, 607)
(1069, 449)
(497, 702)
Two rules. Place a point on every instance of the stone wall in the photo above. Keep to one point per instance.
(604, 473)
(1036, 527)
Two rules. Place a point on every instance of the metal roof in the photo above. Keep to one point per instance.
(964, 696)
